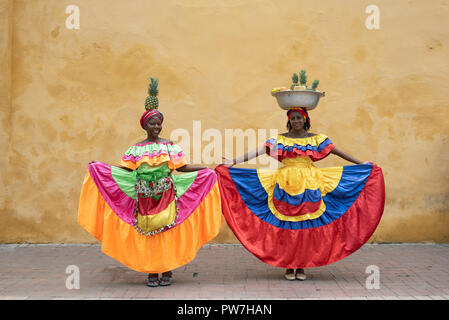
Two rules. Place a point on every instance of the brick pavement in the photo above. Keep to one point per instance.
(406, 271)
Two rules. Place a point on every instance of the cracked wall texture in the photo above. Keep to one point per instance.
(71, 96)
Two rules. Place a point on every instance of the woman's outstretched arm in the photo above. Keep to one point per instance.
(190, 168)
(114, 166)
(346, 156)
(246, 157)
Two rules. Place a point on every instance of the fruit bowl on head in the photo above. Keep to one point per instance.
(288, 99)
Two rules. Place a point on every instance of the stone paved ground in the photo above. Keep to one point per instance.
(406, 271)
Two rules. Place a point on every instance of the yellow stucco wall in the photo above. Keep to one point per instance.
(71, 96)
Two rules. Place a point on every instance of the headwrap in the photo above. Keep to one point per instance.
(302, 111)
(150, 114)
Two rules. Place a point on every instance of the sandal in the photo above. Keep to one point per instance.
(300, 275)
(289, 274)
(166, 280)
(153, 281)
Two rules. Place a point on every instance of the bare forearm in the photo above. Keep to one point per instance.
(250, 155)
(345, 156)
(190, 168)
(126, 168)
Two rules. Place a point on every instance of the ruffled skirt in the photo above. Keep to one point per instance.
(107, 210)
(302, 217)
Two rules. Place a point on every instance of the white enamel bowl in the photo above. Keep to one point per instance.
(298, 98)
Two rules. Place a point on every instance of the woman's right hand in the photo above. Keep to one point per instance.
(228, 163)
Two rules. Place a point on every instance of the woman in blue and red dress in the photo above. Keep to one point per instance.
(301, 216)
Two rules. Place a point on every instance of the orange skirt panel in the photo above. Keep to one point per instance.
(159, 253)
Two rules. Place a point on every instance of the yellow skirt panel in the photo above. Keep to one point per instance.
(155, 221)
(295, 180)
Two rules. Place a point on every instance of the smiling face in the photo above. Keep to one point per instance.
(297, 120)
(154, 126)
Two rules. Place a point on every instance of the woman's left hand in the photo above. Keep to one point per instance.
(227, 163)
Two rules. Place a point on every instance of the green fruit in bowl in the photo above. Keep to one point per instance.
(275, 90)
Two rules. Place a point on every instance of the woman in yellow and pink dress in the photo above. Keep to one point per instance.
(301, 216)
(145, 217)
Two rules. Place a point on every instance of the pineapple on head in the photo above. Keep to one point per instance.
(152, 101)
(295, 81)
(303, 77)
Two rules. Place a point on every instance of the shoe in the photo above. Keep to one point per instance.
(290, 274)
(300, 275)
(166, 280)
(152, 281)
